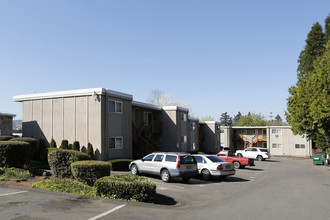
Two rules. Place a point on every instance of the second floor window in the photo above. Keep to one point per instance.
(115, 106)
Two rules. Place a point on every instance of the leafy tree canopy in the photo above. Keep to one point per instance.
(207, 118)
(252, 119)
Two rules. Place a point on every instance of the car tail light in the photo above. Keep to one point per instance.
(179, 162)
(219, 167)
(267, 154)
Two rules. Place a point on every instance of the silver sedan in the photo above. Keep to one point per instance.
(210, 165)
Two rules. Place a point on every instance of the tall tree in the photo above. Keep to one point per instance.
(327, 28)
(252, 119)
(236, 118)
(160, 98)
(278, 118)
(312, 72)
(226, 120)
(207, 118)
(314, 48)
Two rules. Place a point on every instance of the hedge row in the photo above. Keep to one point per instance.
(89, 171)
(14, 153)
(128, 187)
(60, 161)
(120, 164)
(33, 143)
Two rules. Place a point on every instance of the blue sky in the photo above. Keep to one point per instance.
(217, 56)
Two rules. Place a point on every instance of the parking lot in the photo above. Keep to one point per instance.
(275, 189)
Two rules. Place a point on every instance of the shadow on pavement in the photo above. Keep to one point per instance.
(161, 199)
(236, 179)
(253, 169)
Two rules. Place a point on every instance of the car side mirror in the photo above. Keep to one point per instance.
(142, 159)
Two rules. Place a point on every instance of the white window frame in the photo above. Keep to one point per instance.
(184, 116)
(116, 110)
(115, 140)
(183, 139)
(299, 146)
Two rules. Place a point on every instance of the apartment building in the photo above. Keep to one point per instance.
(279, 140)
(210, 140)
(117, 126)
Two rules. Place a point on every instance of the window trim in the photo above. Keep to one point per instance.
(115, 102)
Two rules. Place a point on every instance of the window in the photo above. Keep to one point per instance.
(264, 145)
(149, 157)
(116, 143)
(159, 157)
(183, 139)
(300, 146)
(115, 106)
(276, 146)
(276, 131)
(170, 158)
(184, 117)
(264, 131)
(215, 159)
(193, 126)
(147, 117)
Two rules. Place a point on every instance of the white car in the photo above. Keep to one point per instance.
(211, 165)
(254, 152)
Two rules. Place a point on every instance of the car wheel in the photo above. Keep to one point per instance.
(134, 170)
(237, 165)
(185, 179)
(260, 158)
(206, 174)
(165, 175)
(239, 155)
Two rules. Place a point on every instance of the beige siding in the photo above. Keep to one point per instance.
(69, 119)
(58, 120)
(47, 117)
(81, 120)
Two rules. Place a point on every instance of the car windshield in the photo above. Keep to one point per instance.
(263, 150)
(215, 159)
(188, 160)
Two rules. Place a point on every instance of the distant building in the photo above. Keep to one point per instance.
(279, 140)
(6, 123)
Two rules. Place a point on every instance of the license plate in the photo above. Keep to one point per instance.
(188, 167)
(228, 166)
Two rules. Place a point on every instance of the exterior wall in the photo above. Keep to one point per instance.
(212, 136)
(193, 136)
(283, 143)
(70, 118)
(184, 126)
(169, 139)
(225, 136)
(6, 125)
(119, 125)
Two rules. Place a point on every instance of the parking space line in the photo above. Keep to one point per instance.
(8, 194)
(107, 212)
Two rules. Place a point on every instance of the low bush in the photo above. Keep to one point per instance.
(34, 145)
(127, 187)
(14, 153)
(5, 138)
(120, 164)
(60, 160)
(36, 168)
(42, 150)
(13, 174)
(66, 186)
(89, 171)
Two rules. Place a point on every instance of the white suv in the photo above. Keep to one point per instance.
(166, 165)
(254, 152)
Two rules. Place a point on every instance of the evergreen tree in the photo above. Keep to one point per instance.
(226, 120)
(308, 103)
(64, 145)
(327, 28)
(52, 143)
(42, 149)
(90, 151)
(278, 118)
(76, 146)
(314, 47)
(236, 118)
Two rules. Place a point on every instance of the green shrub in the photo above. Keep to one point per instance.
(90, 151)
(13, 174)
(89, 171)
(14, 153)
(128, 187)
(60, 160)
(43, 150)
(36, 168)
(34, 145)
(5, 138)
(52, 143)
(64, 145)
(76, 146)
(66, 186)
(120, 164)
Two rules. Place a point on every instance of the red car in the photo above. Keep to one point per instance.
(239, 162)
